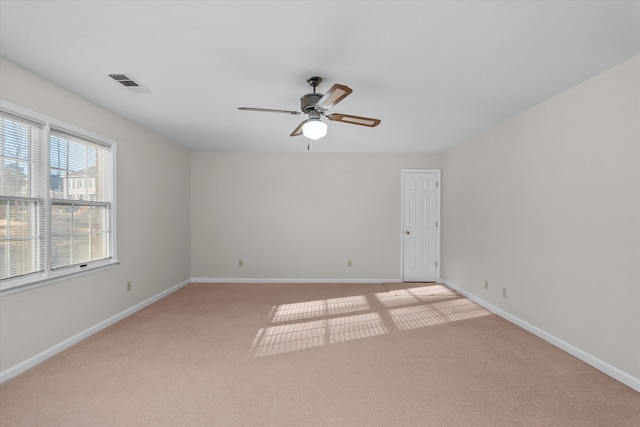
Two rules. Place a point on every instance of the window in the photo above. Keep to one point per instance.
(22, 204)
(80, 226)
(67, 229)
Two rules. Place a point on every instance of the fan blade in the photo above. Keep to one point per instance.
(298, 130)
(334, 95)
(354, 120)
(268, 110)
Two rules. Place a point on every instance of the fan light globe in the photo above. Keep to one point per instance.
(314, 129)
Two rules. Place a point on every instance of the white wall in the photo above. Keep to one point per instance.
(153, 249)
(547, 205)
(298, 215)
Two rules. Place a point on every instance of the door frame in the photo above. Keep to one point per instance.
(404, 173)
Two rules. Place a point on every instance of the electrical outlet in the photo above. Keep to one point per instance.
(486, 284)
(349, 263)
(504, 292)
(240, 263)
(128, 285)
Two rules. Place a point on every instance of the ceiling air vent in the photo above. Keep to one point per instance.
(128, 82)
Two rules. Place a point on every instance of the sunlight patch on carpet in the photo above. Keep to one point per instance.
(420, 316)
(318, 308)
(420, 294)
(309, 324)
(299, 336)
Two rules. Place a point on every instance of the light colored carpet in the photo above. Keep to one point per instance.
(315, 355)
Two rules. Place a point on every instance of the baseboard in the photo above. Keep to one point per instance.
(606, 368)
(21, 367)
(261, 280)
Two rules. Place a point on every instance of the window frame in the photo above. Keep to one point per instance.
(51, 275)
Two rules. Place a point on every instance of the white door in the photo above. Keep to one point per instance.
(420, 225)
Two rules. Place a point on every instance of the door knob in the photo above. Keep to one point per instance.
(407, 232)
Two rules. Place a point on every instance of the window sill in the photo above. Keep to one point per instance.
(32, 284)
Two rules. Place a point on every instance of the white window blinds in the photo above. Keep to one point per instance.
(81, 194)
(22, 204)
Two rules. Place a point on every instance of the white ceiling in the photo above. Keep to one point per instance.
(435, 72)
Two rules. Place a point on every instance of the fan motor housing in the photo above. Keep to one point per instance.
(308, 102)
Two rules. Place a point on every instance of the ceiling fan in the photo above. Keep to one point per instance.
(316, 105)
